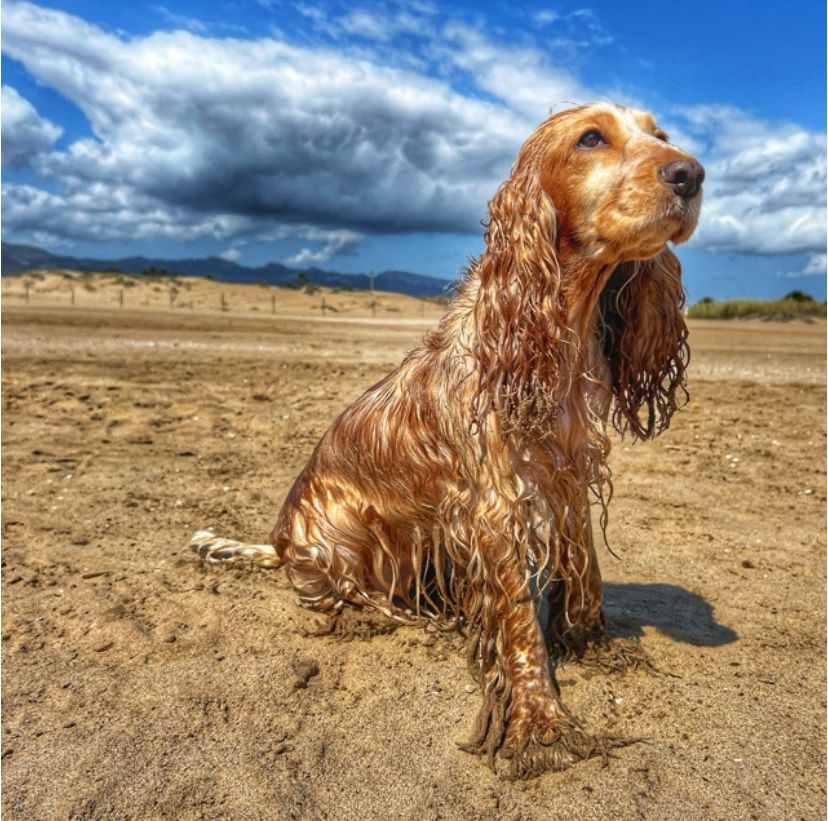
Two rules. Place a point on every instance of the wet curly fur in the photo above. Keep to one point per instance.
(458, 488)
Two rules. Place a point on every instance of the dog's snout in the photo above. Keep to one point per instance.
(685, 177)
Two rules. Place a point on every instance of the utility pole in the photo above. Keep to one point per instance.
(371, 278)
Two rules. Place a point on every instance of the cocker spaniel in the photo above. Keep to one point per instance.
(458, 489)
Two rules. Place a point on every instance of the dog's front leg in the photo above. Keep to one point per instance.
(522, 710)
(575, 602)
(577, 626)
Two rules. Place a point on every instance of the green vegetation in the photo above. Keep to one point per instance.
(301, 282)
(794, 305)
(160, 274)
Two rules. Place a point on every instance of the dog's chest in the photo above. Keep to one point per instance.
(541, 463)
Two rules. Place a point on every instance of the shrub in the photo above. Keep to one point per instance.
(798, 296)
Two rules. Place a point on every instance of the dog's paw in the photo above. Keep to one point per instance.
(616, 655)
(596, 649)
(554, 745)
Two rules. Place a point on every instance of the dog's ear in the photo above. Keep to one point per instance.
(520, 312)
(645, 343)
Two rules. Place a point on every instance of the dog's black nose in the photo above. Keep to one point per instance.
(685, 177)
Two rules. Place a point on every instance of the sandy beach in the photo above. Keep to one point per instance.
(139, 684)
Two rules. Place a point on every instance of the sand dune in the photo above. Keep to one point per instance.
(187, 294)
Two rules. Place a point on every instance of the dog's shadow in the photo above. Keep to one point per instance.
(672, 610)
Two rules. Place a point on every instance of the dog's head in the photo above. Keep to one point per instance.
(620, 189)
(583, 224)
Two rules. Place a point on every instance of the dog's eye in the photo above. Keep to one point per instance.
(660, 135)
(591, 139)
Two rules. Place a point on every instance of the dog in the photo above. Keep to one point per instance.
(458, 488)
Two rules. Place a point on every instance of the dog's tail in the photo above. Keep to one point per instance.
(216, 549)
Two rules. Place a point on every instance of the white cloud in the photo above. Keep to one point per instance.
(374, 21)
(262, 128)
(103, 211)
(572, 32)
(336, 244)
(231, 255)
(814, 267)
(197, 135)
(545, 17)
(765, 186)
(26, 135)
(366, 24)
(181, 21)
(521, 77)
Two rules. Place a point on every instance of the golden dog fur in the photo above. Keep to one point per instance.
(458, 488)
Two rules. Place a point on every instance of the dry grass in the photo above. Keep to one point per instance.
(800, 306)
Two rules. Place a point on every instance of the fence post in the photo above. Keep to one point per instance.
(121, 298)
(72, 292)
(27, 285)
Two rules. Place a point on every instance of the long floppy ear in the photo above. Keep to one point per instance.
(645, 343)
(520, 312)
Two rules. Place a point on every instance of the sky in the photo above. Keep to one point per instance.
(369, 136)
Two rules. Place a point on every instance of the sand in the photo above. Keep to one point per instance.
(139, 684)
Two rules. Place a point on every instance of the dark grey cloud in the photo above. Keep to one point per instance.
(265, 129)
(196, 135)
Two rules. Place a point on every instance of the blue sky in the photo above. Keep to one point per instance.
(366, 137)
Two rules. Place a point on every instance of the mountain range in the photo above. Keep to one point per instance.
(19, 258)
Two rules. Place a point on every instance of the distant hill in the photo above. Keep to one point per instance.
(19, 258)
